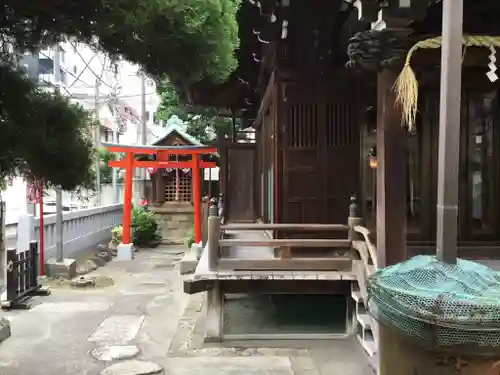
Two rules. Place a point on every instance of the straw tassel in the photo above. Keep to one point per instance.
(406, 85)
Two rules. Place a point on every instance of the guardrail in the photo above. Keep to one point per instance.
(82, 229)
(282, 257)
(363, 269)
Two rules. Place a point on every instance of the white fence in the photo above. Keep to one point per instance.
(82, 229)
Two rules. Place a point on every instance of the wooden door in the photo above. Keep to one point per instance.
(320, 154)
(240, 182)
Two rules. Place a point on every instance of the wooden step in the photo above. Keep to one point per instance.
(368, 344)
(356, 296)
(364, 319)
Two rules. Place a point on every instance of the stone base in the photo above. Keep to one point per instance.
(175, 220)
(125, 252)
(65, 269)
(190, 261)
(4, 329)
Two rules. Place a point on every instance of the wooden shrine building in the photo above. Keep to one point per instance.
(174, 185)
(170, 190)
(315, 80)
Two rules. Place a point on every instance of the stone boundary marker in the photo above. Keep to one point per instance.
(4, 329)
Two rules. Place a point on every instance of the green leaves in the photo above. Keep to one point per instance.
(187, 40)
(145, 228)
(43, 135)
(200, 121)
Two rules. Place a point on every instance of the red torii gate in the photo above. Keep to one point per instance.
(128, 163)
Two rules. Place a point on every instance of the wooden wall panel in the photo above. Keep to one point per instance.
(320, 154)
(240, 193)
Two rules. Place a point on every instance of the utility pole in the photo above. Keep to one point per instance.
(144, 126)
(59, 208)
(116, 116)
(449, 131)
(97, 141)
(144, 119)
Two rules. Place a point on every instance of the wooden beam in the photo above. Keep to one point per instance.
(264, 104)
(283, 226)
(284, 286)
(288, 242)
(160, 164)
(391, 175)
(303, 264)
(449, 132)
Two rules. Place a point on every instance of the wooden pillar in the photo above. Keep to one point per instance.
(127, 200)
(391, 175)
(196, 187)
(160, 187)
(214, 323)
(215, 297)
(177, 183)
(213, 248)
(391, 199)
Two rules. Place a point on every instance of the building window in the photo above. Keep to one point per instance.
(75, 69)
(156, 120)
(481, 171)
(64, 77)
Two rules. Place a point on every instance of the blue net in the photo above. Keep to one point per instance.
(438, 303)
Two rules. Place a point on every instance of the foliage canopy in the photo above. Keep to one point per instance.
(46, 137)
(201, 122)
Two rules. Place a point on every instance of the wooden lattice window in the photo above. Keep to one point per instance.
(184, 194)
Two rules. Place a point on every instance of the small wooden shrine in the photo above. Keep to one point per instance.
(171, 189)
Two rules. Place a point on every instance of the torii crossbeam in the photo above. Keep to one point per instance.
(162, 153)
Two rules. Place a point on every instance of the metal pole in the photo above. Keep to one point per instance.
(59, 211)
(97, 141)
(449, 131)
(144, 127)
(116, 116)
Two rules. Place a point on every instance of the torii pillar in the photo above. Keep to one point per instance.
(162, 153)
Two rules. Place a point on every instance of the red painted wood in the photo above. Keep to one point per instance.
(160, 164)
(127, 201)
(42, 234)
(129, 163)
(196, 198)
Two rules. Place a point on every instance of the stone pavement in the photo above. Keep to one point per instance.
(144, 324)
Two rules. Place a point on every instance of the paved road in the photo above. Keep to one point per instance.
(144, 324)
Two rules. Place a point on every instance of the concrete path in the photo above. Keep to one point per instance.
(144, 324)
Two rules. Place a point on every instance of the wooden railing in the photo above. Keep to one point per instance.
(365, 267)
(281, 257)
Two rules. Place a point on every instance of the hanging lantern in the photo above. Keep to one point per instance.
(372, 158)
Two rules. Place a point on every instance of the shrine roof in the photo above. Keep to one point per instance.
(151, 149)
(175, 128)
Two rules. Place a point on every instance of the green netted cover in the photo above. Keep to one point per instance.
(439, 304)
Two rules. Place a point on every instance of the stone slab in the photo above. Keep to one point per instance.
(4, 329)
(125, 252)
(271, 365)
(133, 367)
(118, 329)
(115, 353)
(189, 262)
(65, 269)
